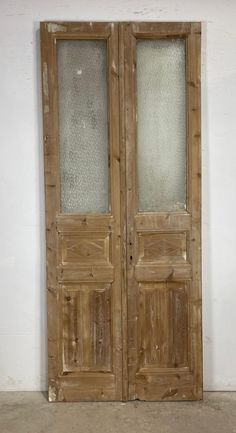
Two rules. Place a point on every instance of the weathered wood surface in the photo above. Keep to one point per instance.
(163, 249)
(124, 288)
(83, 251)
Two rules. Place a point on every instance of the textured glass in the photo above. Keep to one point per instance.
(161, 124)
(83, 125)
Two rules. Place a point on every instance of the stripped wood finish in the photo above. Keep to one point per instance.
(87, 331)
(124, 288)
(163, 325)
(163, 248)
(160, 272)
(83, 251)
(78, 248)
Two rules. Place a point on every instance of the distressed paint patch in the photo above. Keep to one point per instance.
(52, 393)
(45, 79)
(46, 109)
(53, 28)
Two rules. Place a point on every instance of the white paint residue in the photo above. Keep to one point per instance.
(79, 72)
(52, 395)
(53, 28)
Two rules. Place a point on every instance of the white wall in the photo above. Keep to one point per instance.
(22, 255)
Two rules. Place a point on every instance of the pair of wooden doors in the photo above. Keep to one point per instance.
(121, 104)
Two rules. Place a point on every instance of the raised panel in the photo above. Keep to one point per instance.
(80, 249)
(163, 272)
(162, 247)
(86, 332)
(86, 273)
(163, 325)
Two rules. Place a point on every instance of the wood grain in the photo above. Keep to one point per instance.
(124, 288)
(163, 248)
(123, 216)
(83, 250)
(194, 200)
(80, 248)
(163, 325)
(87, 327)
(51, 204)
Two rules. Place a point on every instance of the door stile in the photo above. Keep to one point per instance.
(123, 208)
(51, 202)
(115, 186)
(194, 198)
(131, 191)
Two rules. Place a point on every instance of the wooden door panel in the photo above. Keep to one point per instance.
(163, 326)
(83, 249)
(124, 287)
(86, 273)
(81, 386)
(163, 247)
(162, 221)
(167, 272)
(165, 385)
(92, 247)
(86, 332)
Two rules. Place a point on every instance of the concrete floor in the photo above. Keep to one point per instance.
(29, 412)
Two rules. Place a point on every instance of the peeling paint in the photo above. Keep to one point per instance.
(45, 79)
(46, 109)
(53, 28)
(52, 393)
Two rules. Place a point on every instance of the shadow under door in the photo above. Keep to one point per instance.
(121, 104)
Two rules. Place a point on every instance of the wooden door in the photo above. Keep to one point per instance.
(82, 181)
(122, 210)
(162, 136)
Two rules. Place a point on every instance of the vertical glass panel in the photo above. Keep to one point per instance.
(161, 124)
(83, 125)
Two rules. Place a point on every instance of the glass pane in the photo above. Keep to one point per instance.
(83, 125)
(161, 124)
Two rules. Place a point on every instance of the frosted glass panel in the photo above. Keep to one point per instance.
(161, 124)
(83, 125)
